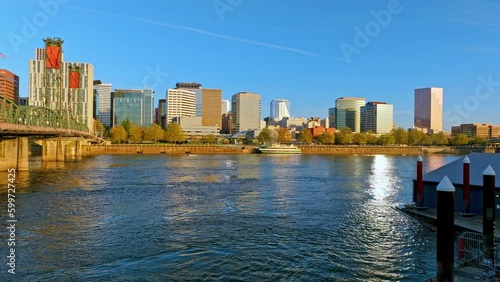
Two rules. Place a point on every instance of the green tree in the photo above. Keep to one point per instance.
(343, 136)
(440, 139)
(459, 140)
(174, 134)
(127, 124)
(118, 134)
(360, 138)
(284, 135)
(477, 140)
(265, 136)
(305, 136)
(386, 139)
(371, 138)
(255, 141)
(426, 140)
(400, 135)
(326, 138)
(415, 136)
(226, 141)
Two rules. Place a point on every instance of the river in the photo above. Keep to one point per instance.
(219, 217)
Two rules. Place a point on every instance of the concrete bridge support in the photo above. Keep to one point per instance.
(14, 153)
(61, 149)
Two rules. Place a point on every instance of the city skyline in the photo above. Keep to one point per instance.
(386, 65)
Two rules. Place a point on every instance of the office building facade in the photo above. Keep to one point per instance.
(245, 111)
(9, 85)
(377, 117)
(208, 102)
(133, 105)
(180, 103)
(429, 109)
(50, 86)
(348, 113)
(280, 108)
(103, 110)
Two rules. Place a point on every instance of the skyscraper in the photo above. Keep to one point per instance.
(429, 109)
(377, 117)
(134, 105)
(104, 104)
(211, 100)
(226, 106)
(245, 111)
(162, 113)
(348, 113)
(180, 103)
(9, 85)
(280, 108)
(208, 102)
(61, 86)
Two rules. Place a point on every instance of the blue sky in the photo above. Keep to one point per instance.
(295, 49)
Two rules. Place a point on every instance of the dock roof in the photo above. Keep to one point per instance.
(478, 163)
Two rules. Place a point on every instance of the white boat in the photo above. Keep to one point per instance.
(280, 149)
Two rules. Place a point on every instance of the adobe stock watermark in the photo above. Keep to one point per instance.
(485, 88)
(153, 77)
(31, 25)
(223, 6)
(372, 29)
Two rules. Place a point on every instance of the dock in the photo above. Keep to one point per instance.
(472, 223)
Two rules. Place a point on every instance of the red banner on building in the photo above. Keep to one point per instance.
(52, 56)
(74, 79)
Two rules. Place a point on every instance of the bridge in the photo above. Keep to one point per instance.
(60, 135)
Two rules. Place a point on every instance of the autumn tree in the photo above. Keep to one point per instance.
(305, 136)
(99, 128)
(326, 138)
(174, 134)
(284, 135)
(118, 134)
(154, 133)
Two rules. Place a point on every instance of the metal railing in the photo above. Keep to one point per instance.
(469, 250)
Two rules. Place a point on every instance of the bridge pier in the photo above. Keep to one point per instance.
(14, 153)
(61, 149)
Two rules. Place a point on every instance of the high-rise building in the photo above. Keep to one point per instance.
(162, 113)
(9, 85)
(280, 108)
(61, 86)
(226, 124)
(226, 106)
(245, 111)
(210, 107)
(134, 105)
(348, 113)
(103, 91)
(180, 103)
(477, 130)
(377, 117)
(429, 109)
(208, 102)
(331, 118)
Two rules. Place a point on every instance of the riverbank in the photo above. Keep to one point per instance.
(124, 149)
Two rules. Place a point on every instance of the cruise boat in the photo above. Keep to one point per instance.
(280, 149)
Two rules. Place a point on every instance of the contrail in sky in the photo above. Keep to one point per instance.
(209, 33)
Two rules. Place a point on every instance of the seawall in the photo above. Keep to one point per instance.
(126, 149)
